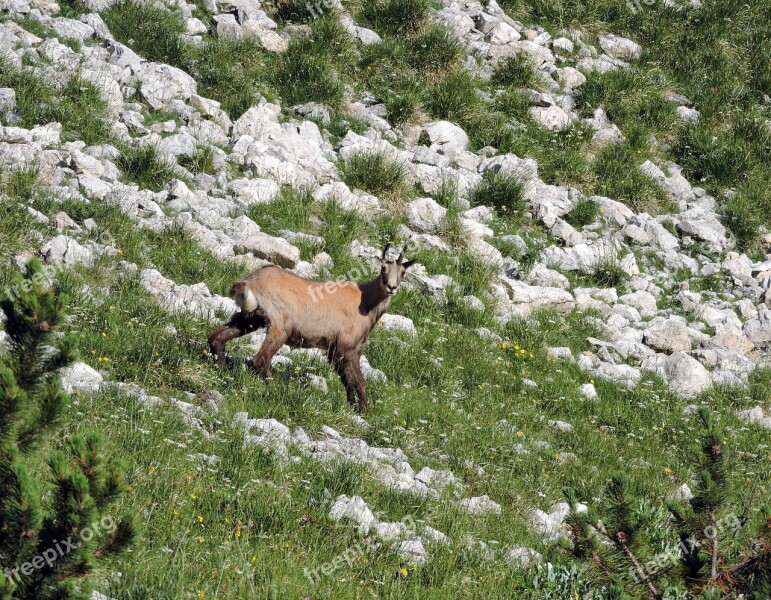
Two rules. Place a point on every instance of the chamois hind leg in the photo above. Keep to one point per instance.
(239, 324)
(275, 338)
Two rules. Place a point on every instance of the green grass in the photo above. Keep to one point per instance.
(501, 191)
(515, 71)
(294, 11)
(230, 71)
(454, 98)
(375, 173)
(77, 106)
(584, 213)
(142, 165)
(200, 162)
(745, 214)
(151, 31)
(311, 70)
(247, 527)
(617, 173)
(395, 17)
(435, 49)
(726, 74)
(606, 272)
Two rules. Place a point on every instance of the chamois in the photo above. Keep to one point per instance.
(334, 316)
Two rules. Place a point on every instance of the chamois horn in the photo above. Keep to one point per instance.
(404, 249)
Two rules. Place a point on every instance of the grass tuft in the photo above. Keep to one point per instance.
(149, 30)
(514, 72)
(501, 191)
(142, 165)
(395, 17)
(374, 173)
(78, 106)
(584, 213)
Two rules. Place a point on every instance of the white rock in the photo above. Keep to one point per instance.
(551, 117)
(412, 552)
(521, 557)
(642, 301)
(480, 505)
(391, 322)
(63, 250)
(444, 132)
(683, 493)
(502, 34)
(80, 376)
(561, 426)
(690, 115)
(570, 78)
(560, 353)
(434, 536)
(669, 335)
(265, 37)
(620, 47)
(755, 416)
(390, 531)
(255, 191)
(425, 214)
(524, 298)
(683, 373)
(473, 303)
(160, 84)
(353, 509)
(276, 250)
(371, 372)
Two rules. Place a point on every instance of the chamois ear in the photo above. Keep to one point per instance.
(409, 263)
(385, 250)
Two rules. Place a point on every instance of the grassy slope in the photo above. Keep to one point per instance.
(237, 530)
(248, 527)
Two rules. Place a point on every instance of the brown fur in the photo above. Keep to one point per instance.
(336, 317)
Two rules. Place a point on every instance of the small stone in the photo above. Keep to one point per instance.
(81, 376)
(412, 552)
(480, 505)
(620, 47)
(521, 557)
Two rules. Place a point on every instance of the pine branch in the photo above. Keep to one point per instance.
(620, 539)
(713, 556)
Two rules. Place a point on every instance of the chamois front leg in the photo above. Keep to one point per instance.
(355, 380)
(275, 338)
(336, 360)
(341, 364)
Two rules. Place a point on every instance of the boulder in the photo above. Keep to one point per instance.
(276, 250)
(669, 336)
(425, 214)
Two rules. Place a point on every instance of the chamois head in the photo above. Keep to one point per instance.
(392, 272)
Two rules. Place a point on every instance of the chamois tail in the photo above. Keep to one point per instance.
(244, 297)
